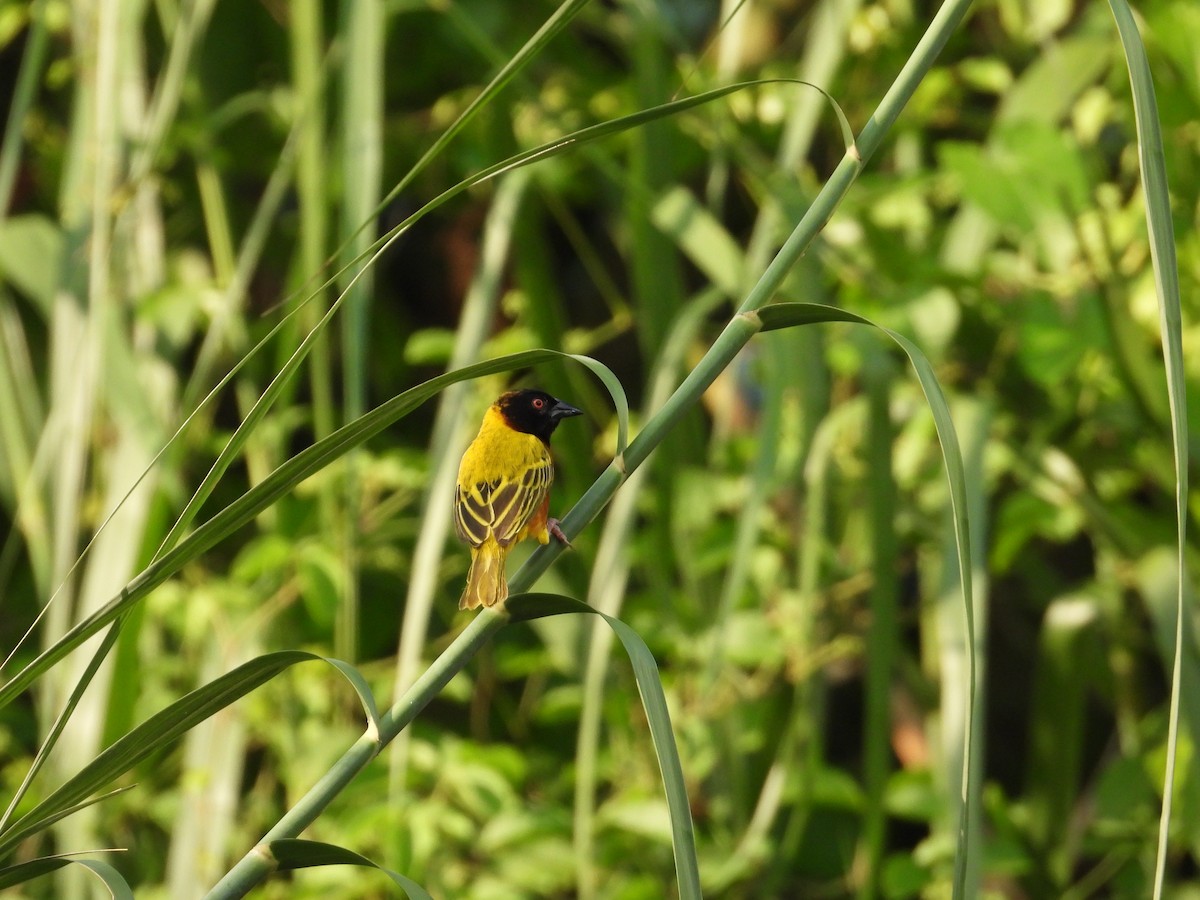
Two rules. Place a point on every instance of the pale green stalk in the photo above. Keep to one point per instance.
(960, 651)
(213, 759)
(1159, 223)
(446, 446)
(362, 161)
(78, 341)
(188, 31)
(312, 192)
(257, 864)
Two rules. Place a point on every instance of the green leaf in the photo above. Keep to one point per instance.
(166, 726)
(294, 854)
(118, 887)
(524, 607)
(783, 315)
(81, 685)
(1166, 283)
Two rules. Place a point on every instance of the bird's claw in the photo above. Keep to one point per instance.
(552, 527)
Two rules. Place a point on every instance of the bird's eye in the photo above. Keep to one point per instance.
(538, 403)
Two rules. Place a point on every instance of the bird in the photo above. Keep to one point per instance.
(503, 490)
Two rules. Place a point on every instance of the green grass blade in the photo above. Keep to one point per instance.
(789, 314)
(1166, 283)
(292, 854)
(56, 729)
(118, 887)
(167, 725)
(534, 606)
(550, 28)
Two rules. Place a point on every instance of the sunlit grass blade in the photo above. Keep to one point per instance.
(117, 886)
(292, 854)
(533, 606)
(167, 725)
(1166, 283)
(789, 314)
(85, 679)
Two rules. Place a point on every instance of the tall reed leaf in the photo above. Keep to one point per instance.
(535, 606)
(293, 854)
(118, 887)
(1166, 283)
(167, 725)
(782, 315)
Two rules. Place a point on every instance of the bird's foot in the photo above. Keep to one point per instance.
(552, 527)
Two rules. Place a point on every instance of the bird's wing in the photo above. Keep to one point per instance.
(501, 508)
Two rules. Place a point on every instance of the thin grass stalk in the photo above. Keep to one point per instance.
(306, 56)
(750, 518)
(21, 417)
(1166, 282)
(188, 32)
(213, 760)
(734, 17)
(33, 62)
(362, 161)
(973, 421)
(606, 592)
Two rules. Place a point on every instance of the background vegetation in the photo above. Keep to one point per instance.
(177, 177)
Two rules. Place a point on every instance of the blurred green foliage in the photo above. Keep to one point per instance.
(142, 254)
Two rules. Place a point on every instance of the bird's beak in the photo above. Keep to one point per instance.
(562, 410)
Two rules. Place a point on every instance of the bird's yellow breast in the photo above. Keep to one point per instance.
(499, 452)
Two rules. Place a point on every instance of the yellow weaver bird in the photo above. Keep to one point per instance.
(503, 491)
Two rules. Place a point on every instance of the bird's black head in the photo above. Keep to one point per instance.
(534, 412)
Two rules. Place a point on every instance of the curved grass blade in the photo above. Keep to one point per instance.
(524, 607)
(167, 725)
(783, 315)
(615, 390)
(277, 484)
(292, 854)
(59, 723)
(118, 887)
(1166, 285)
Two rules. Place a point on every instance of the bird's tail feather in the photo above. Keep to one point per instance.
(486, 585)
